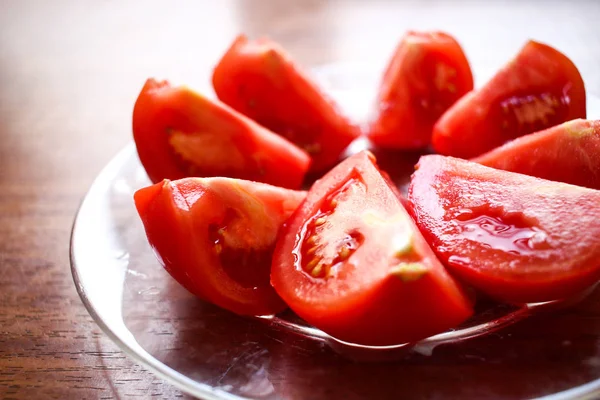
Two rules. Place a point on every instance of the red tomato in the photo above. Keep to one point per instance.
(179, 133)
(517, 238)
(216, 236)
(569, 153)
(351, 262)
(258, 79)
(426, 75)
(538, 89)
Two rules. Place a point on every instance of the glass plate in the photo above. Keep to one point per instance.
(213, 354)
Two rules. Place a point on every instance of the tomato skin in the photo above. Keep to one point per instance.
(362, 300)
(180, 218)
(426, 75)
(516, 238)
(212, 140)
(538, 89)
(258, 79)
(568, 153)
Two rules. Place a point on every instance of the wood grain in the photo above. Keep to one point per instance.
(69, 74)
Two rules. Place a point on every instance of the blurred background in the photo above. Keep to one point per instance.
(70, 72)
(87, 60)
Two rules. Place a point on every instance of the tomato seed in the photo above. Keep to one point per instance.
(317, 270)
(312, 250)
(344, 253)
(320, 221)
(409, 272)
(313, 263)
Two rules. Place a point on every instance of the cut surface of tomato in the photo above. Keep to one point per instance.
(517, 238)
(568, 153)
(352, 262)
(258, 79)
(426, 75)
(216, 237)
(179, 133)
(538, 89)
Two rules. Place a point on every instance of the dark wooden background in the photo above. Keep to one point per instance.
(69, 74)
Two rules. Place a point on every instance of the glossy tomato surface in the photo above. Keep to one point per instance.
(260, 80)
(537, 89)
(351, 262)
(426, 75)
(216, 236)
(517, 238)
(179, 133)
(568, 153)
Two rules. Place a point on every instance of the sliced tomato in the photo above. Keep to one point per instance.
(179, 133)
(538, 89)
(568, 153)
(351, 262)
(258, 79)
(517, 238)
(426, 75)
(216, 237)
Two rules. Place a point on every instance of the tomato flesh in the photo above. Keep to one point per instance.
(258, 79)
(538, 89)
(216, 237)
(179, 133)
(351, 262)
(517, 238)
(426, 75)
(568, 153)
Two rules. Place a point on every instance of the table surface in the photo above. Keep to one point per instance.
(69, 74)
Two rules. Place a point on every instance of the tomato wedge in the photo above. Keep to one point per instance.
(216, 237)
(538, 89)
(517, 238)
(258, 79)
(351, 262)
(179, 133)
(426, 75)
(568, 153)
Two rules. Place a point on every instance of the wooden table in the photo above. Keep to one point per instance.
(69, 74)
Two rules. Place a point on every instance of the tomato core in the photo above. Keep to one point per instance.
(197, 151)
(318, 256)
(242, 261)
(529, 112)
